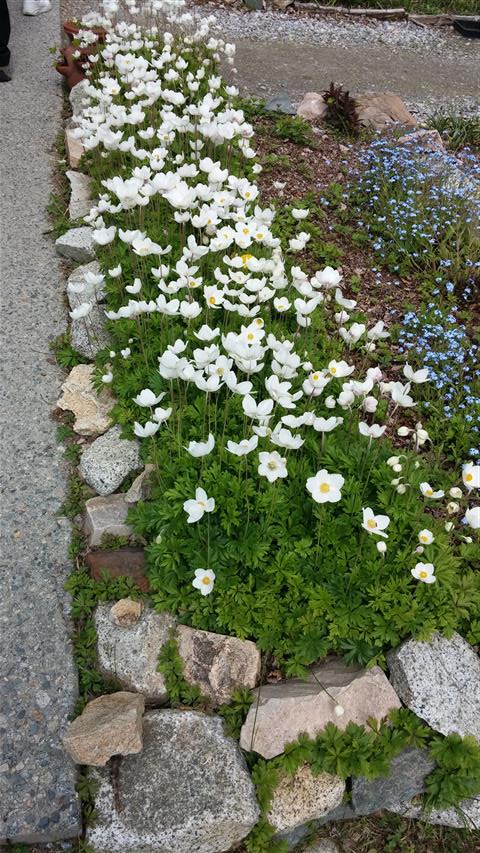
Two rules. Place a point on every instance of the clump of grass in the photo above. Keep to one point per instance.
(457, 132)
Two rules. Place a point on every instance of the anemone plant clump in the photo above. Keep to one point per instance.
(280, 511)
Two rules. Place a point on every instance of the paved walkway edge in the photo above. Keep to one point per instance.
(38, 682)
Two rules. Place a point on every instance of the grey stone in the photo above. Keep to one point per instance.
(141, 487)
(281, 103)
(88, 335)
(280, 712)
(405, 780)
(74, 148)
(77, 245)
(217, 664)
(304, 797)
(80, 202)
(89, 292)
(78, 97)
(106, 516)
(428, 140)
(109, 725)
(188, 790)
(131, 654)
(295, 836)
(440, 682)
(465, 816)
(312, 106)
(91, 409)
(38, 679)
(108, 460)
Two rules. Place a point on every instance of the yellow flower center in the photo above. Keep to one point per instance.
(220, 371)
(429, 491)
(246, 257)
(259, 236)
(371, 523)
(250, 336)
(469, 478)
(424, 538)
(212, 300)
(209, 221)
(206, 580)
(324, 488)
(245, 231)
(424, 574)
(272, 465)
(315, 377)
(247, 194)
(333, 370)
(201, 503)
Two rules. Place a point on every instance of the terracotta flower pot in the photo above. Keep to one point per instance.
(70, 68)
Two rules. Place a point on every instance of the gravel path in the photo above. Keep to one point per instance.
(430, 68)
(37, 676)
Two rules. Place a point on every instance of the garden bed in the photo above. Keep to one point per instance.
(241, 285)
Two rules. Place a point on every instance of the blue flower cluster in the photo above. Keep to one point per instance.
(420, 206)
(438, 341)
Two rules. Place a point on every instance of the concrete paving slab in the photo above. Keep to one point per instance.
(38, 684)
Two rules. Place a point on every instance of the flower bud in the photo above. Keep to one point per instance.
(401, 489)
(393, 460)
(403, 431)
(397, 468)
(419, 549)
(455, 492)
(452, 507)
(339, 710)
(381, 547)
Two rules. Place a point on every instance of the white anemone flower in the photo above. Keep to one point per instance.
(103, 236)
(424, 572)
(258, 411)
(282, 437)
(81, 311)
(204, 580)
(243, 447)
(272, 466)
(339, 369)
(161, 415)
(201, 448)
(327, 424)
(376, 524)
(325, 487)
(471, 476)
(428, 492)
(148, 398)
(197, 507)
(299, 213)
(205, 333)
(416, 376)
(107, 377)
(146, 431)
(426, 537)
(472, 517)
(373, 431)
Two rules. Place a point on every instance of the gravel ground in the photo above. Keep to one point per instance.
(300, 28)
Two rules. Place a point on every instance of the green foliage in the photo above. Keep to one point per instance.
(86, 593)
(457, 774)
(179, 691)
(426, 7)
(77, 493)
(457, 131)
(294, 129)
(359, 752)
(65, 355)
(235, 713)
(87, 788)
